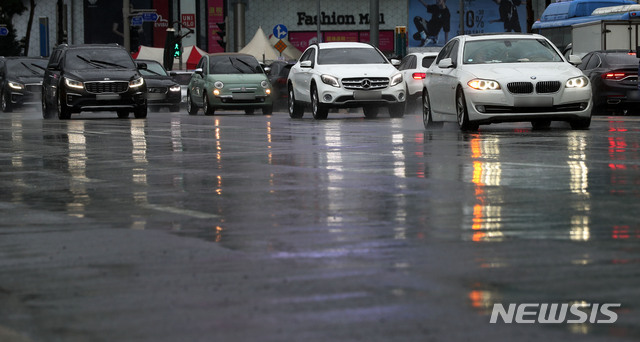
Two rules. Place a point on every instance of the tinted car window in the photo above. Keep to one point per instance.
(234, 65)
(621, 59)
(427, 61)
(26, 67)
(594, 62)
(153, 69)
(509, 51)
(350, 56)
(98, 59)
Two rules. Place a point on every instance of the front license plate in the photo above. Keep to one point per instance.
(244, 96)
(367, 95)
(107, 97)
(533, 101)
(153, 96)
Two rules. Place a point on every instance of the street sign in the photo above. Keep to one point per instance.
(280, 31)
(280, 46)
(4, 31)
(150, 16)
(136, 21)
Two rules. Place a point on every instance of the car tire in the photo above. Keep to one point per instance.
(427, 114)
(63, 112)
(319, 111)
(296, 110)
(580, 124)
(462, 114)
(47, 113)
(540, 124)
(206, 108)
(370, 112)
(192, 109)
(123, 114)
(140, 112)
(6, 102)
(267, 110)
(397, 110)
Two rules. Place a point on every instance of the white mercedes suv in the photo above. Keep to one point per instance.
(345, 75)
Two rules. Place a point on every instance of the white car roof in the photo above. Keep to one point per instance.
(490, 36)
(334, 45)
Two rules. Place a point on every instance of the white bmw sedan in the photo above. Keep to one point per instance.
(492, 78)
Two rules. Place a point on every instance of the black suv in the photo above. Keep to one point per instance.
(93, 77)
(20, 81)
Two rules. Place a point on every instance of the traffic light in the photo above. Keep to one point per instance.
(177, 49)
(169, 51)
(222, 33)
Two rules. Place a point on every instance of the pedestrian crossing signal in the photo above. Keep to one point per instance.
(176, 50)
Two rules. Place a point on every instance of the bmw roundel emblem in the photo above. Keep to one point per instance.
(533, 77)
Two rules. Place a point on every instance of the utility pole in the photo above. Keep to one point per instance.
(126, 24)
(374, 23)
(318, 23)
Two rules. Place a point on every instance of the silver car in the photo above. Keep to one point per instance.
(492, 78)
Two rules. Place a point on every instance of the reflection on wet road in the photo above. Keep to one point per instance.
(366, 220)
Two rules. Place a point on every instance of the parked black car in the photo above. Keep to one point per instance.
(93, 77)
(162, 90)
(20, 81)
(614, 80)
(278, 73)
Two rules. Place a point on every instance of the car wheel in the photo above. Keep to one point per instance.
(47, 113)
(192, 109)
(427, 115)
(63, 112)
(123, 114)
(249, 111)
(580, 123)
(206, 108)
(296, 110)
(540, 124)
(267, 110)
(319, 111)
(462, 114)
(6, 102)
(140, 112)
(397, 110)
(370, 112)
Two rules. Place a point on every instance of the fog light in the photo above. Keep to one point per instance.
(216, 92)
(480, 109)
(327, 98)
(401, 96)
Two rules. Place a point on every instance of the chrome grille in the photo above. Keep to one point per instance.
(157, 90)
(547, 87)
(365, 83)
(520, 87)
(106, 87)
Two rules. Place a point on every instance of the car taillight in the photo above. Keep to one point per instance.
(282, 81)
(419, 75)
(616, 75)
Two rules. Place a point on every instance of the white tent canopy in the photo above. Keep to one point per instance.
(261, 48)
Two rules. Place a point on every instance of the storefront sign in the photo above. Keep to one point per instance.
(335, 19)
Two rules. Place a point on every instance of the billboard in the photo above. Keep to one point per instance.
(434, 22)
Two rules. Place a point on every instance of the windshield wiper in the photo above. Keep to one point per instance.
(238, 68)
(248, 65)
(90, 62)
(30, 69)
(108, 63)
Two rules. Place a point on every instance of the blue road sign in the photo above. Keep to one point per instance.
(4, 31)
(150, 16)
(280, 31)
(136, 21)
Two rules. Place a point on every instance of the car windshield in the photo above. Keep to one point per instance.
(234, 65)
(27, 67)
(98, 59)
(509, 51)
(153, 69)
(350, 56)
(182, 78)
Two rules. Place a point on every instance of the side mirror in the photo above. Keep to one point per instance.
(198, 71)
(445, 63)
(306, 64)
(575, 60)
(173, 73)
(395, 62)
(142, 66)
(267, 70)
(54, 67)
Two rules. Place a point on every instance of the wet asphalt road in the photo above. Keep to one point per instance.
(263, 228)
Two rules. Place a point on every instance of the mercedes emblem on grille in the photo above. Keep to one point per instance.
(366, 83)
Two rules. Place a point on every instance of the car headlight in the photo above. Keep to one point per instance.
(218, 85)
(73, 83)
(136, 83)
(16, 85)
(395, 79)
(175, 87)
(330, 80)
(479, 84)
(577, 82)
(264, 84)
